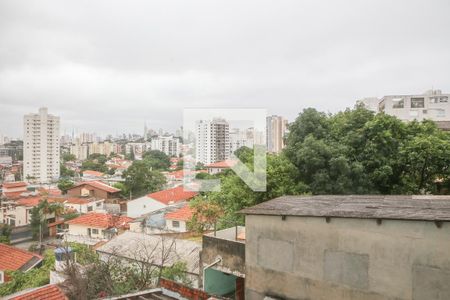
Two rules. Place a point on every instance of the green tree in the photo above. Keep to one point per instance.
(68, 157)
(141, 179)
(65, 172)
(65, 184)
(157, 160)
(5, 233)
(124, 190)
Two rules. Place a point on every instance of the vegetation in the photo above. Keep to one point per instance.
(33, 278)
(157, 160)
(357, 152)
(5, 233)
(141, 179)
(65, 184)
(351, 152)
(68, 157)
(39, 214)
(95, 162)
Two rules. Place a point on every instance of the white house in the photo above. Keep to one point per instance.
(158, 200)
(177, 220)
(95, 226)
(83, 205)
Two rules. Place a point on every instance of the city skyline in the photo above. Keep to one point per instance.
(111, 72)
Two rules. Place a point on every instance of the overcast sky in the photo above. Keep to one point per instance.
(109, 66)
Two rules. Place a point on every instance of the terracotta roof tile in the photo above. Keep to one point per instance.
(222, 164)
(182, 214)
(101, 220)
(12, 258)
(14, 184)
(47, 292)
(93, 173)
(174, 195)
(98, 185)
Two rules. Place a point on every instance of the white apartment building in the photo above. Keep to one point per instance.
(41, 147)
(168, 144)
(432, 105)
(276, 127)
(241, 138)
(212, 141)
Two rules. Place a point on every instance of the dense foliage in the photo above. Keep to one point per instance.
(140, 178)
(357, 152)
(351, 152)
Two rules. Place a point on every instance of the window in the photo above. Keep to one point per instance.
(417, 102)
(443, 99)
(398, 103)
(94, 231)
(98, 204)
(434, 99)
(89, 208)
(175, 224)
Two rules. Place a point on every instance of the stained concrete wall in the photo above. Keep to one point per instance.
(231, 252)
(308, 258)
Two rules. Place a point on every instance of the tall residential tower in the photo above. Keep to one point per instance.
(276, 127)
(212, 141)
(41, 147)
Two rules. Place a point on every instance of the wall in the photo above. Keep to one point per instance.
(143, 205)
(75, 229)
(231, 252)
(84, 189)
(308, 258)
(181, 228)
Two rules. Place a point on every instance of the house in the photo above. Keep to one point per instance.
(177, 220)
(46, 292)
(96, 189)
(94, 226)
(138, 248)
(219, 166)
(84, 205)
(13, 190)
(158, 200)
(18, 212)
(15, 259)
(89, 175)
(348, 247)
(223, 262)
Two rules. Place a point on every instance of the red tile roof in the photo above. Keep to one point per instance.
(12, 258)
(46, 292)
(78, 200)
(30, 201)
(174, 195)
(100, 220)
(12, 195)
(182, 214)
(14, 184)
(222, 164)
(93, 173)
(98, 185)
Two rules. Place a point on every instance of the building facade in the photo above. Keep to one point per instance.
(276, 127)
(348, 247)
(212, 141)
(432, 105)
(170, 145)
(41, 147)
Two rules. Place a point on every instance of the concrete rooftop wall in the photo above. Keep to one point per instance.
(308, 258)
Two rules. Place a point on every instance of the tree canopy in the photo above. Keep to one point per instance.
(140, 178)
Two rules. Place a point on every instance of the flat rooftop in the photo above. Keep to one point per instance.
(401, 207)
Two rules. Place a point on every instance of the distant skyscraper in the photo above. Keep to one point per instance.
(212, 141)
(276, 131)
(145, 132)
(41, 147)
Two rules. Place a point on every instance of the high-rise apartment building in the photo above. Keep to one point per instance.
(212, 141)
(168, 144)
(432, 105)
(41, 147)
(276, 127)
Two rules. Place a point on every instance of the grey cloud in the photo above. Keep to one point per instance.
(107, 66)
